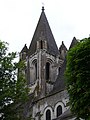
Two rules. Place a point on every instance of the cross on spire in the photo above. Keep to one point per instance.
(43, 8)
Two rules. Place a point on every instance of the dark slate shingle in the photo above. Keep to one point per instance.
(59, 84)
(44, 28)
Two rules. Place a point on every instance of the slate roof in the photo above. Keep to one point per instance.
(59, 84)
(62, 47)
(74, 42)
(25, 49)
(65, 116)
(43, 28)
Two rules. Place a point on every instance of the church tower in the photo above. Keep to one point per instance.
(42, 58)
(44, 71)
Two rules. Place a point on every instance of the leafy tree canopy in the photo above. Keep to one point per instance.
(78, 78)
(13, 88)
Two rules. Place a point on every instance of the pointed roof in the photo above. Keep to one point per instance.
(74, 42)
(43, 28)
(25, 49)
(62, 47)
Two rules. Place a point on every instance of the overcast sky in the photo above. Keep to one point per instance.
(67, 18)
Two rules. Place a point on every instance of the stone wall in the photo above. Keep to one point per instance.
(50, 102)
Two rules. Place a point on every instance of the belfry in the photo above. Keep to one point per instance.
(44, 71)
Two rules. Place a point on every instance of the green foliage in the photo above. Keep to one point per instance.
(13, 87)
(78, 78)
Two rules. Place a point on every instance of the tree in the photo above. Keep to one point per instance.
(78, 79)
(13, 88)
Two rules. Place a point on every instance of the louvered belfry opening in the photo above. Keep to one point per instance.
(47, 71)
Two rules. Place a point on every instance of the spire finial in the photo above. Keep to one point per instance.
(62, 42)
(43, 8)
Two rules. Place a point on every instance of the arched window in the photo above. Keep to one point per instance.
(48, 115)
(59, 110)
(36, 70)
(41, 44)
(47, 70)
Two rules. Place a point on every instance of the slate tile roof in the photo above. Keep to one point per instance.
(59, 84)
(65, 116)
(44, 29)
(25, 49)
(74, 42)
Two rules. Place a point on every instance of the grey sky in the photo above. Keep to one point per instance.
(67, 18)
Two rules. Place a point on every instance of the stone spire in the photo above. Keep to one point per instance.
(62, 50)
(44, 28)
(25, 49)
(24, 52)
(74, 42)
